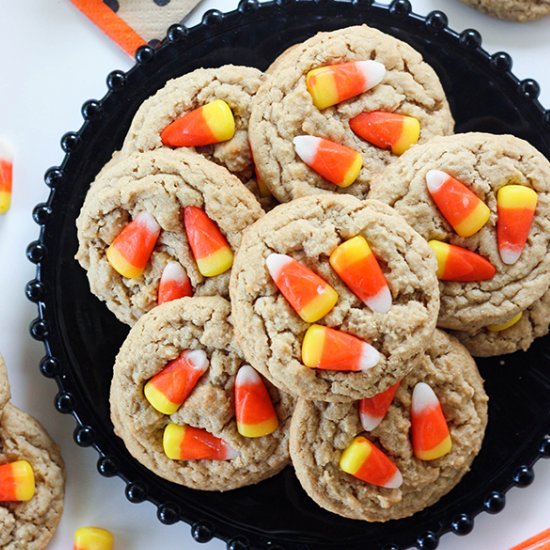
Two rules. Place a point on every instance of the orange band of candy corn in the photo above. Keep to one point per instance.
(516, 205)
(209, 247)
(6, 176)
(209, 124)
(309, 295)
(372, 410)
(358, 267)
(365, 461)
(254, 410)
(131, 250)
(169, 389)
(334, 162)
(387, 130)
(333, 84)
(189, 443)
(464, 210)
(330, 349)
(16, 482)
(429, 431)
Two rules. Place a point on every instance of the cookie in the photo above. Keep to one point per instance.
(160, 183)
(516, 10)
(283, 109)
(532, 323)
(320, 432)
(484, 163)
(158, 338)
(236, 85)
(270, 331)
(5, 393)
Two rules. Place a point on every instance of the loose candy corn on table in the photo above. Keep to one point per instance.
(59, 61)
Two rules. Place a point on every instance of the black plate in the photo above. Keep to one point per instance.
(82, 337)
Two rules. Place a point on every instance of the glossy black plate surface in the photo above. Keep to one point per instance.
(82, 337)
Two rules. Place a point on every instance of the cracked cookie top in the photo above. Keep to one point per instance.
(283, 108)
(5, 393)
(516, 10)
(320, 432)
(160, 183)
(158, 338)
(270, 331)
(485, 163)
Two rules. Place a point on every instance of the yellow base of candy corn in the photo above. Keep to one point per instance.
(171, 440)
(355, 455)
(503, 326)
(437, 452)
(312, 346)
(93, 538)
(319, 306)
(23, 476)
(353, 172)
(477, 218)
(216, 264)
(320, 84)
(517, 196)
(441, 251)
(258, 430)
(219, 119)
(409, 136)
(121, 265)
(5, 201)
(158, 400)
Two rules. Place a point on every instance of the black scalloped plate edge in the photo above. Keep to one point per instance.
(136, 491)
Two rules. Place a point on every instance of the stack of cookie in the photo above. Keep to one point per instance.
(328, 347)
(32, 477)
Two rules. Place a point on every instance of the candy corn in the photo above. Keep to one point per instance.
(174, 283)
(16, 481)
(507, 324)
(358, 267)
(132, 248)
(367, 462)
(254, 410)
(516, 206)
(429, 430)
(372, 410)
(6, 169)
(168, 389)
(336, 163)
(188, 443)
(330, 349)
(210, 248)
(332, 84)
(211, 123)
(93, 538)
(387, 130)
(455, 263)
(309, 295)
(464, 210)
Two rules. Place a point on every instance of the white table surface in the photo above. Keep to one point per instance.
(52, 60)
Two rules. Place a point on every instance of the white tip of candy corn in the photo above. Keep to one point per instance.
(230, 452)
(370, 422)
(275, 263)
(174, 272)
(395, 481)
(197, 359)
(380, 302)
(373, 72)
(6, 150)
(306, 146)
(435, 179)
(148, 221)
(509, 255)
(423, 397)
(247, 375)
(369, 357)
